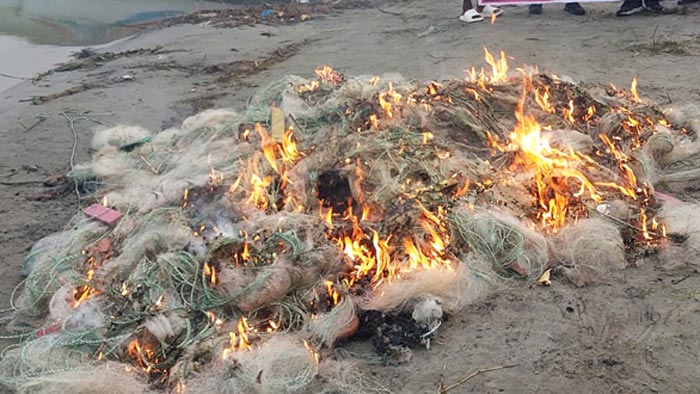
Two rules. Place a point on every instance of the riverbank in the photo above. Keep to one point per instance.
(633, 334)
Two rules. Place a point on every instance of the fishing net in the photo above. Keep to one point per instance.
(331, 208)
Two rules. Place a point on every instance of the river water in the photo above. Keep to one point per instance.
(37, 34)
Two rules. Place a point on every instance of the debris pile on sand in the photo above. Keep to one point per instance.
(335, 208)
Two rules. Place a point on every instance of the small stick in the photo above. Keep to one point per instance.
(474, 374)
(37, 123)
(442, 379)
(15, 77)
(675, 282)
(20, 183)
(390, 12)
(149, 165)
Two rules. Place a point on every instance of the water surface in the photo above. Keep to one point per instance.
(36, 34)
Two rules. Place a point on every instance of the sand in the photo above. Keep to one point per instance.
(636, 333)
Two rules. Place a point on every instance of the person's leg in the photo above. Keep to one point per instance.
(466, 5)
(535, 9)
(574, 9)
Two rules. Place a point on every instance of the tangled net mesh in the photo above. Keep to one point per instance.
(252, 242)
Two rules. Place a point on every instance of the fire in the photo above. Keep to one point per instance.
(373, 121)
(365, 213)
(499, 71)
(279, 156)
(314, 353)
(499, 68)
(210, 273)
(258, 195)
(143, 355)
(569, 112)
(373, 262)
(328, 218)
(393, 100)
(553, 170)
(272, 326)
(268, 147)
(288, 149)
(633, 90)
(542, 99)
(590, 113)
(328, 75)
(462, 191)
(216, 321)
(239, 340)
(82, 293)
(185, 198)
(332, 294)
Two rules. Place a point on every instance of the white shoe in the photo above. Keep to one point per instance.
(490, 11)
(471, 16)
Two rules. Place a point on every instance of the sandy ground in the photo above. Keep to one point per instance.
(636, 333)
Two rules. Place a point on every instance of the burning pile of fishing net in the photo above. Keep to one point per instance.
(339, 209)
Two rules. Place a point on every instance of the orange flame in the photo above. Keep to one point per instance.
(542, 99)
(288, 149)
(333, 295)
(553, 170)
(240, 340)
(82, 293)
(633, 90)
(569, 112)
(499, 68)
(499, 71)
(143, 355)
(185, 198)
(268, 147)
(210, 272)
(327, 74)
(462, 191)
(314, 354)
(388, 105)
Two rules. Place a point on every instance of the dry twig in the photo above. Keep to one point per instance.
(474, 374)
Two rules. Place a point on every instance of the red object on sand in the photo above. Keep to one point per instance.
(105, 215)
